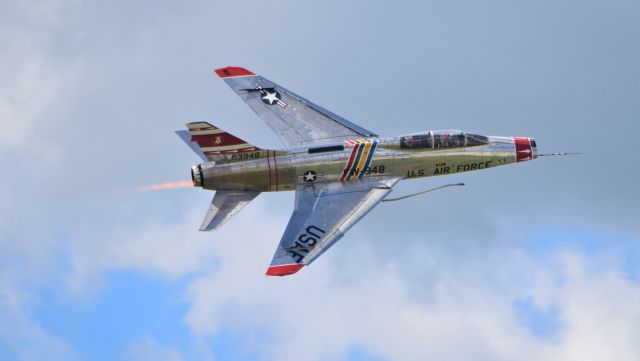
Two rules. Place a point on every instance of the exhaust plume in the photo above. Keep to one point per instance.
(169, 185)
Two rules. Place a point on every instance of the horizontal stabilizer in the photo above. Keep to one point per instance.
(225, 204)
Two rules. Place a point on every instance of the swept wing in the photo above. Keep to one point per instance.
(297, 121)
(323, 213)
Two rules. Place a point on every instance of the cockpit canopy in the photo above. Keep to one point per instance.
(442, 139)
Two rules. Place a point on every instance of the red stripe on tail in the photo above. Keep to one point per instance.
(216, 140)
(350, 162)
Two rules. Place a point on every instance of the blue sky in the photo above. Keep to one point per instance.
(535, 261)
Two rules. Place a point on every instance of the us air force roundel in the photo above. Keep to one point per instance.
(271, 96)
(309, 176)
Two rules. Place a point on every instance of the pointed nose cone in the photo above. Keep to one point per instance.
(526, 148)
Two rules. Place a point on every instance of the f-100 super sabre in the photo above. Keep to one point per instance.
(338, 170)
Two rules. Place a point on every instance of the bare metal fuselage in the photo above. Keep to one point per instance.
(339, 170)
(272, 171)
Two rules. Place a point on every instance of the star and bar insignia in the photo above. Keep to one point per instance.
(310, 176)
(270, 96)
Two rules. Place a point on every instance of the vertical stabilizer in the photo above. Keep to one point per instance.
(212, 143)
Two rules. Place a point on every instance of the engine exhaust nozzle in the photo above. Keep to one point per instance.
(196, 175)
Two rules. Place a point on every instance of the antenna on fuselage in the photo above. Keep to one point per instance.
(423, 192)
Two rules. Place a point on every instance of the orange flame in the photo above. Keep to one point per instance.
(170, 185)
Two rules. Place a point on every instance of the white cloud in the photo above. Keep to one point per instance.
(468, 315)
(20, 334)
(601, 313)
(29, 341)
(148, 349)
(34, 83)
(354, 296)
(422, 301)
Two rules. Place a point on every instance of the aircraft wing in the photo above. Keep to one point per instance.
(297, 121)
(322, 214)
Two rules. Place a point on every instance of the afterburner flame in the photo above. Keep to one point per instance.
(170, 185)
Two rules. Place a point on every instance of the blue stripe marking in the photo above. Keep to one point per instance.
(369, 158)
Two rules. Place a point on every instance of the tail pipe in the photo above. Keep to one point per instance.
(196, 175)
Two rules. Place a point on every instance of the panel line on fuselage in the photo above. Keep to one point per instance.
(275, 164)
(269, 167)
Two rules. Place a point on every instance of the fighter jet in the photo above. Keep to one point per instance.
(338, 170)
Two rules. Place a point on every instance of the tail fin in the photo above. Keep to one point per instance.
(214, 144)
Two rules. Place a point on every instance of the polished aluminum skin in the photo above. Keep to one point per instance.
(339, 171)
(389, 161)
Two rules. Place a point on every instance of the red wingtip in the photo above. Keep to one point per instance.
(283, 269)
(232, 71)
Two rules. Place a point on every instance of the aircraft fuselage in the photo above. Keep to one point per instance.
(412, 156)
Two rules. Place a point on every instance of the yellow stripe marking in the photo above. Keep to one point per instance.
(363, 160)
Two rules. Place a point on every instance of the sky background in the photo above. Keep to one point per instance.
(539, 261)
